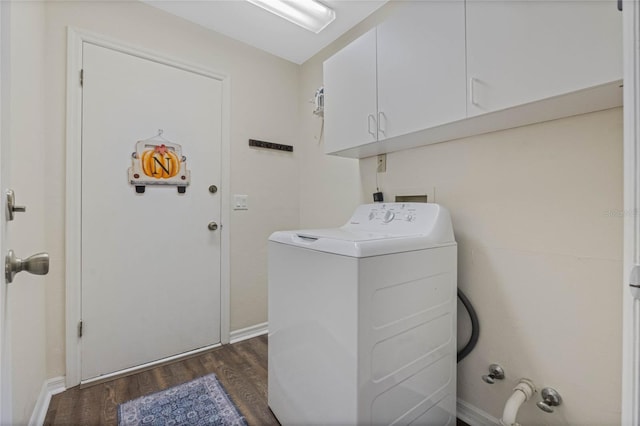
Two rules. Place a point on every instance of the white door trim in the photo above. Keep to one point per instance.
(73, 249)
(631, 305)
(6, 400)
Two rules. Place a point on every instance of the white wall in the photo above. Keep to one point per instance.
(536, 215)
(536, 212)
(264, 105)
(329, 186)
(26, 295)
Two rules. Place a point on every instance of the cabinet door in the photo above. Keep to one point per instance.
(421, 67)
(522, 51)
(350, 95)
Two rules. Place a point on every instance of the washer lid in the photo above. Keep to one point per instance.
(376, 229)
(341, 234)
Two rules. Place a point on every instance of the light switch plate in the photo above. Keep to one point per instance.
(240, 202)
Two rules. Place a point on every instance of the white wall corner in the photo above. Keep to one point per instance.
(474, 416)
(249, 332)
(49, 388)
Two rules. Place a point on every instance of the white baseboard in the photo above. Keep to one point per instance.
(49, 388)
(249, 332)
(474, 416)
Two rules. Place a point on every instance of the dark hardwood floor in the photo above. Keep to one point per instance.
(241, 368)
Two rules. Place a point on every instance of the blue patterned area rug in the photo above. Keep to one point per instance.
(202, 401)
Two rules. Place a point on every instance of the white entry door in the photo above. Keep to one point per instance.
(150, 264)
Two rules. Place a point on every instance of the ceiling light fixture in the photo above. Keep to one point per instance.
(309, 14)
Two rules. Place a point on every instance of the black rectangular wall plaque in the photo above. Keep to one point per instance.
(270, 145)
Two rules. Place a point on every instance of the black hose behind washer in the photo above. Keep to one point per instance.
(475, 327)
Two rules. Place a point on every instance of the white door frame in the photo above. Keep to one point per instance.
(73, 249)
(631, 305)
(6, 400)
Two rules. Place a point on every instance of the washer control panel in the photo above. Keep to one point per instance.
(401, 217)
(389, 212)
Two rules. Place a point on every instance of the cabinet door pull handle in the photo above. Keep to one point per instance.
(382, 130)
(371, 132)
(472, 97)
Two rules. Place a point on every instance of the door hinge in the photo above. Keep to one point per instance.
(82, 77)
(80, 329)
(634, 281)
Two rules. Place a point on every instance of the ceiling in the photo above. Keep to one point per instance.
(250, 24)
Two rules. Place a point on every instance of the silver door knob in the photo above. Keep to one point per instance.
(11, 205)
(37, 264)
(212, 226)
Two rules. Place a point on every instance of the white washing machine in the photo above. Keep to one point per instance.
(362, 319)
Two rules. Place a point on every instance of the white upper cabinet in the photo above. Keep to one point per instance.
(350, 107)
(441, 70)
(421, 67)
(523, 51)
(403, 76)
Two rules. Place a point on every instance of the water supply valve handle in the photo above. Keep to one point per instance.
(550, 398)
(495, 373)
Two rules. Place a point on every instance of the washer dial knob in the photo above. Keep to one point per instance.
(388, 216)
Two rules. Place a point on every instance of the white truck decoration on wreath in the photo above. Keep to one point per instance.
(158, 163)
